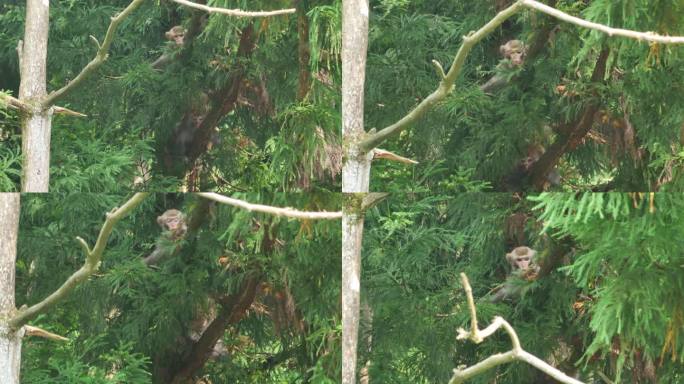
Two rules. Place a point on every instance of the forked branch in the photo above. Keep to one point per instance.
(277, 211)
(516, 353)
(100, 56)
(446, 84)
(90, 266)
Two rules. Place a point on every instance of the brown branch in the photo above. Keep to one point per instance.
(233, 309)
(225, 98)
(570, 140)
(233, 12)
(98, 60)
(90, 266)
(383, 154)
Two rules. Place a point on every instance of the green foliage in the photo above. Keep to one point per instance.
(635, 139)
(130, 323)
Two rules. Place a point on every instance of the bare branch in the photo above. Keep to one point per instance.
(277, 211)
(383, 154)
(90, 266)
(234, 12)
(35, 331)
(516, 353)
(446, 84)
(640, 36)
(66, 111)
(100, 56)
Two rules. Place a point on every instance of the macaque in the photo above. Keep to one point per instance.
(514, 52)
(174, 229)
(176, 34)
(522, 259)
(524, 268)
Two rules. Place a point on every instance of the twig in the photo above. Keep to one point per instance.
(234, 12)
(277, 211)
(35, 331)
(446, 83)
(66, 111)
(383, 154)
(100, 56)
(516, 353)
(90, 266)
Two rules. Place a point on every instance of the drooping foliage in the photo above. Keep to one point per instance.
(234, 104)
(605, 111)
(607, 300)
(266, 288)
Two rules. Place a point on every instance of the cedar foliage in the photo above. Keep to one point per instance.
(608, 297)
(634, 108)
(132, 323)
(237, 79)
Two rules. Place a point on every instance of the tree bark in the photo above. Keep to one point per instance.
(10, 339)
(355, 174)
(37, 122)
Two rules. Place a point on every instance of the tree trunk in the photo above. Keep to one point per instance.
(37, 122)
(10, 340)
(355, 174)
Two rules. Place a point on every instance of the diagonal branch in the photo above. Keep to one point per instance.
(277, 211)
(446, 84)
(90, 266)
(100, 56)
(516, 353)
(233, 12)
(640, 36)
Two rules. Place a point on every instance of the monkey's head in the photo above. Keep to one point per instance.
(173, 221)
(515, 51)
(521, 258)
(176, 34)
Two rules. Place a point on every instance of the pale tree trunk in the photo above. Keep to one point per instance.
(355, 174)
(10, 340)
(37, 121)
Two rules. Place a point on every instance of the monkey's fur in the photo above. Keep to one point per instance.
(524, 268)
(174, 228)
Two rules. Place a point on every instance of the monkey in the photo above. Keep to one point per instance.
(174, 228)
(524, 268)
(514, 52)
(176, 35)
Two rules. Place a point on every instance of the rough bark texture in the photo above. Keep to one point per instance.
(10, 339)
(355, 174)
(37, 123)
(304, 51)
(356, 171)
(352, 236)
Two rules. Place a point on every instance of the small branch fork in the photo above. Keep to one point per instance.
(447, 80)
(90, 266)
(277, 211)
(477, 335)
